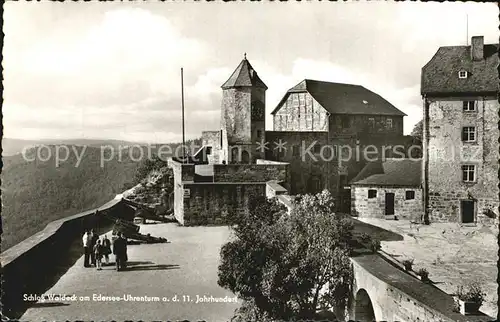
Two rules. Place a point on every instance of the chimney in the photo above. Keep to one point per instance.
(477, 48)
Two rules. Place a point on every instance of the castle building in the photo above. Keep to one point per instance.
(318, 126)
(459, 87)
(337, 119)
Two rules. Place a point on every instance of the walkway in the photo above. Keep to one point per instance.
(424, 293)
(185, 267)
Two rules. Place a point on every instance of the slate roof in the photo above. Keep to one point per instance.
(244, 76)
(440, 74)
(338, 98)
(390, 172)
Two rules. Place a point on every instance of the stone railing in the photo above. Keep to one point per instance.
(35, 264)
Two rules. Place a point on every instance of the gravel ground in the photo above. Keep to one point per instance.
(185, 268)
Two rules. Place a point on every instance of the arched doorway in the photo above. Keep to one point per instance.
(245, 157)
(363, 309)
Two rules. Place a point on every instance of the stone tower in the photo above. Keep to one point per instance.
(243, 115)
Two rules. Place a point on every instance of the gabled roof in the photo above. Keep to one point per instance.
(244, 76)
(338, 98)
(390, 172)
(440, 74)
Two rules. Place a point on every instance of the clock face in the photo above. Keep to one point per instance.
(257, 111)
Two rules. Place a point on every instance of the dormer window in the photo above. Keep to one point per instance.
(462, 74)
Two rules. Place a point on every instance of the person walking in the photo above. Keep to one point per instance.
(93, 241)
(98, 252)
(120, 252)
(86, 248)
(106, 244)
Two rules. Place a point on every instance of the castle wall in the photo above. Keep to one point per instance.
(250, 172)
(218, 203)
(356, 124)
(212, 139)
(447, 153)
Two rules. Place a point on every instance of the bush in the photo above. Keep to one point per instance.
(375, 245)
(408, 263)
(365, 238)
(472, 293)
(489, 213)
(424, 273)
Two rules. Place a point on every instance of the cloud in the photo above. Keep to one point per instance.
(113, 71)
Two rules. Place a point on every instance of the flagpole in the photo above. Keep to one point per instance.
(467, 29)
(183, 129)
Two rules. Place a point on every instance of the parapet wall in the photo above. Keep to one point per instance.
(250, 172)
(34, 265)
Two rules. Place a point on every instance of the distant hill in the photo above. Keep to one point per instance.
(37, 192)
(14, 146)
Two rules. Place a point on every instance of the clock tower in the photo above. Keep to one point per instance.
(243, 115)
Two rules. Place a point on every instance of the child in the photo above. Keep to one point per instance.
(98, 251)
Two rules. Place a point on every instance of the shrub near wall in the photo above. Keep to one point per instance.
(35, 265)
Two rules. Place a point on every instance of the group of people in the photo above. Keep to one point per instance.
(95, 249)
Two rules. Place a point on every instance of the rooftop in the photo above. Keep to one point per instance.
(338, 98)
(440, 74)
(244, 76)
(390, 172)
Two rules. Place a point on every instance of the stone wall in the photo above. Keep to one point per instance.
(447, 153)
(250, 172)
(365, 207)
(218, 203)
(32, 266)
(390, 304)
(356, 124)
(212, 139)
(182, 173)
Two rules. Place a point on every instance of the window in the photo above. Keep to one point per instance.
(371, 122)
(462, 74)
(317, 148)
(468, 134)
(259, 134)
(372, 194)
(469, 173)
(345, 122)
(388, 123)
(410, 194)
(469, 106)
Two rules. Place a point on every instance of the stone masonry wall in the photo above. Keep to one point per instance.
(212, 139)
(235, 114)
(250, 172)
(447, 154)
(390, 304)
(218, 203)
(365, 207)
(354, 124)
(182, 173)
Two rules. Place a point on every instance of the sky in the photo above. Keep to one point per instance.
(112, 70)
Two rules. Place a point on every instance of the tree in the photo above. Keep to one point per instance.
(288, 266)
(418, 131)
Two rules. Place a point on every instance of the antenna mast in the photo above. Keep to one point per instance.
(183, 128)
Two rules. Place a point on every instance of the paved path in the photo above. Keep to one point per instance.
(185, 267)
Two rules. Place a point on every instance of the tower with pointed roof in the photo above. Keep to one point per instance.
(243, 115)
